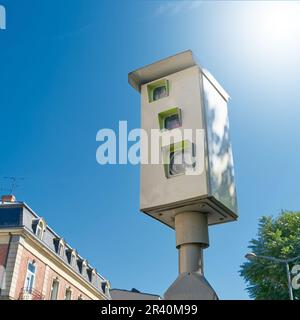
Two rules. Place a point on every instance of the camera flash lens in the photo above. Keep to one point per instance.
(178, 165)
(159, 92)
(172, 122)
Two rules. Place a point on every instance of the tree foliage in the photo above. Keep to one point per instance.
(277, 237)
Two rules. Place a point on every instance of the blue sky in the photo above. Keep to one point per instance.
(63, 76)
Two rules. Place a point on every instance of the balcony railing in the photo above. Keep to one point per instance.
(30, 294)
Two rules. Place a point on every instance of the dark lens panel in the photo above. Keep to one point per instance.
(172, 122)
(177, 164)
(181, 161)
(159, 92)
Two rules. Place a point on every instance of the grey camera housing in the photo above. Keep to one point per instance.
(203, 105)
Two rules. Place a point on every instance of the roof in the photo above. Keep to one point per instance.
(167, 66)
(133, 294)
(19, 214)
(161, 69)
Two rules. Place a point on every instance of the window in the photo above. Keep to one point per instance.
(170, 119)
(54, 289)
(10, 216)
(84, 265)
(40, 229)
(73, 258)
(68, 295)
(104, 286)
(61, 247)
(30, 277)
(94, 274)
(158, 89)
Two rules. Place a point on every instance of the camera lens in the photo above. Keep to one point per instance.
(159, 92)
(177, 163)
(172, 122)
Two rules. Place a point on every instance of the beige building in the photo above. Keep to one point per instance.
(37, 264)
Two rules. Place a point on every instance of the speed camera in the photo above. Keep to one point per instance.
(178, 95)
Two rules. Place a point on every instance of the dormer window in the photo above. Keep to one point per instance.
(92, 274)
(40, 228)
(73, 258)
(105, 286)
(61, 247)
(39, 232)
(84, 266)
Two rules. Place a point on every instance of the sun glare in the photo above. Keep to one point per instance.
(279, 23)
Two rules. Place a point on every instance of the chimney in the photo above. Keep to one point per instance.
(8, 198)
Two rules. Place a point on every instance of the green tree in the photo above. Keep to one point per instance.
(277, 237)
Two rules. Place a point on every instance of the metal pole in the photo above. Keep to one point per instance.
(289, 281)
(190, 258)
(191, 238)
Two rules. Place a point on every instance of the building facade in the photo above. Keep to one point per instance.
(37, 264)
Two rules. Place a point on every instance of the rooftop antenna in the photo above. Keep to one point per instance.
(12, 184)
